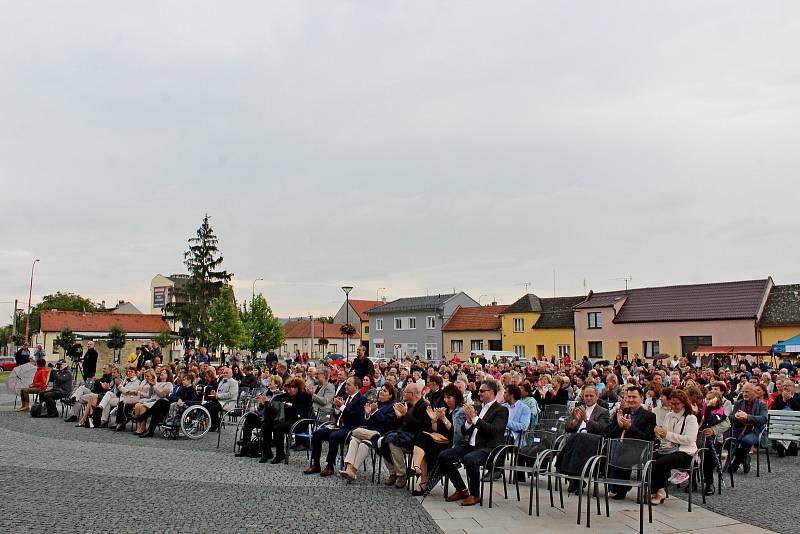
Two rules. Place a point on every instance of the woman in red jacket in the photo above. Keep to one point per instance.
(39, 384)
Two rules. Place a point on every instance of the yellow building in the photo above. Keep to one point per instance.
(472, 329)
(781, 318)
(536, 327)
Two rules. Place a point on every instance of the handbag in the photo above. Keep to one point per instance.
(277, 410)
(438, 438)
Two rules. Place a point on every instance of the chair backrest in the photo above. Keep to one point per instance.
(628, 453)
(554, 411)
(542, 439)
(784, 425)
(556, 426)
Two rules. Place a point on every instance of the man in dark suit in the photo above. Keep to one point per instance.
(632, 421)
(486, 430)
(348, 414)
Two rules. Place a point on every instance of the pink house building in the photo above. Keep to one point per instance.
(671, 319)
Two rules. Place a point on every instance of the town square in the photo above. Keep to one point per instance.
(399, 267)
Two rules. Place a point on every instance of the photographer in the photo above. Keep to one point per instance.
(62, 387)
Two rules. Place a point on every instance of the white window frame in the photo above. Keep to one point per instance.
(412, 323)
(434, 348)
(398, 320)
(651, 348)
(597, 322)
(333, 348)
(378, 324)
(563, 350)
(456, 346)
(520, 350)
(519, 324)
(430, 322)
(410, 349)
(475, 344)
(589, 349)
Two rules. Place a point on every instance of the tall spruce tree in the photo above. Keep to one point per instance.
(206, 277)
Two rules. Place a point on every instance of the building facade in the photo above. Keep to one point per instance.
(781, 319)
(412, 326)
(535, 327)
(162, 290)
(472, 329)
(357, 316)
(671, 319)
(305, 336)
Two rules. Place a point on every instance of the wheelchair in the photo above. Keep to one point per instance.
(192, 420)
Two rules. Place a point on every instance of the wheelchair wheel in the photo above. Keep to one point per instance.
(195, 422)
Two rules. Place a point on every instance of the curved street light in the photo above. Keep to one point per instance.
(30, 294)
(254, 289)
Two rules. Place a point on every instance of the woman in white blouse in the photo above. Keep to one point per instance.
(678, 437)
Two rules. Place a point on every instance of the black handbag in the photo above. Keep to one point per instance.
(278, 411)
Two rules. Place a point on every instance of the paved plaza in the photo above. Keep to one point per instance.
(61, 478)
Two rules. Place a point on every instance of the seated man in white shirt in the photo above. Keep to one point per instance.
(589, 417)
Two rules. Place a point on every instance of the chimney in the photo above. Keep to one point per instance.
(383, 299)
(494, 303)
(103, 304)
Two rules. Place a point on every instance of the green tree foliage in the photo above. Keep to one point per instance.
(116, 340)
(59, 301)
(262, 330)
(224, 322)
(65, 340)
(5, 336)
(206, 278)
(164, 338)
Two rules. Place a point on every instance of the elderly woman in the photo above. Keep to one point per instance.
(380, 418)
(678, 437)
(446, 425)
(296, 405)
(159, 393)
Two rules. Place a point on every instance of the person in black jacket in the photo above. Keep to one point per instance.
(484, 430)
(362, 366)
(413, 419)
(89, 361)
(296, 405)
(632, 421)
(786, 400)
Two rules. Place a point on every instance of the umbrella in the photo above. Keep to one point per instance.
(456, 360)
(21, 377)
(337, 362)
(660, 356)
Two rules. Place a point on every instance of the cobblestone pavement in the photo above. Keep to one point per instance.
(60, 478)
(771, 501)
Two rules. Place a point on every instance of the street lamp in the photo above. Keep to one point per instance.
(377, 291)
(347, 290)
(30, 293)
(254, 289)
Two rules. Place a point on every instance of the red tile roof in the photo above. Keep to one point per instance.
(302, 329)
(475, 318)
(55, 321)
(361, 306)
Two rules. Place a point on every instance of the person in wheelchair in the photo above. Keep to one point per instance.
(296, 405)
(183, 393)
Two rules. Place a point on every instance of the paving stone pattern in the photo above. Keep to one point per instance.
(59, 478)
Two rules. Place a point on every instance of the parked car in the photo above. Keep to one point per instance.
(8, 363)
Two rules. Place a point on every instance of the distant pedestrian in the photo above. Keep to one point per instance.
(23, 355)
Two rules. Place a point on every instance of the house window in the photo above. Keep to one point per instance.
(431, 350)
(476, 344)
(366, 329)
(520, 349)
(563, 350)
(411, 349)
(651, 348)
(519, 325)
(412, 323)
(334, 348)
(457, 345)
(595, 349)
(295, 347)
(398, 323)
(352, 347)
(595, 319)
(378, 324)
(430, 322)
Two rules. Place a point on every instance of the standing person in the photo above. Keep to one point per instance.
(39, 353)
(483, 431)
(89, 361)
(362, 366)
(23, 355)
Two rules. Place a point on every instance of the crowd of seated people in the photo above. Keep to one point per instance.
(419, 415)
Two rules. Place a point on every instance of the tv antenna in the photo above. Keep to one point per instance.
(626, 279)
(527, 286)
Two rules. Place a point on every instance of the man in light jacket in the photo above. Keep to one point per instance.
(224, 398)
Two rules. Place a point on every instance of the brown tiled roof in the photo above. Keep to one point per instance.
(557, 312)
(55, 321)
(301, 329)
(361, 306)
(696, 302)
(529, 303)
(783, 306)
(475, 318)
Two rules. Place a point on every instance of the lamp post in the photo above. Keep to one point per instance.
(347, 290)
(377, 291)
(30, 293)
(254, 289)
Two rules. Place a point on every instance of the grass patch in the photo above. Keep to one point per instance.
(3, 376)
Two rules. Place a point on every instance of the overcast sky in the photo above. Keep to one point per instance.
(415, 146)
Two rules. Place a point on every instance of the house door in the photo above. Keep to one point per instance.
(623, 349)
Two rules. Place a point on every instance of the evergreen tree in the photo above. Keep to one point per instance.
(224, 322)
(206, 278)
(117, 337)
(262, 330)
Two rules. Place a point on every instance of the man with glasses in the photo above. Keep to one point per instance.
(486, 430)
